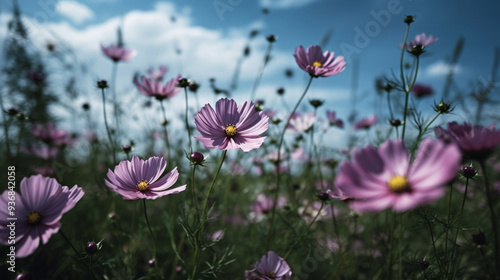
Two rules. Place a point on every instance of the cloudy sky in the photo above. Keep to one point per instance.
(204, 39)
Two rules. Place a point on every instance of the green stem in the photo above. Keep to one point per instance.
(165, 132)
(421, 133)
(401, 63)
(491, 206)
(448, 223)
(107, 127)
(458, 227)
(150, 230)
(261, 70)
(204, 216)
(407, 93)
(193, 192)
(76, 252)
(186, 118)
(305, 232)
(280, 143)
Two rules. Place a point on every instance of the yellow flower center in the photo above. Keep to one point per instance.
(34, 217)
(271, 273)
(317, 64)
(142, 186)
(398, 184)
(231, 130)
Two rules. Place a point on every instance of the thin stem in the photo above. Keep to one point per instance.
(107, 127)
(261, 70)
(448, 223)
(165, 132)
(113, 87)
(76, 252)
(491, 206)
(421, 133)
(5, 128)
(407, 93)
(19, 136)
(193, 191)
(204, 216)
(186, 118)
(458, 227)
(401, 67)
(280, 143)
(305, 232)
(150, 230)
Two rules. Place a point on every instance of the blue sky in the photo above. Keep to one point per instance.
(212, 34)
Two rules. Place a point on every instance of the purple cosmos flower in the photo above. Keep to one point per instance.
(137, 178)
(417, 46)
(231, 126)
(39, 209)
(380, 178)
(270, 267)
(332, 118)
(155, 88)
(421, 90)
(117, 53)
(48, 133)
(317, 63)
(366, 123)
(301, 123)
(264, 204)
(476, 142)
(157, 74)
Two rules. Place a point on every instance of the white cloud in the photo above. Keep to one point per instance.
(284, 4)
(74, 11)
(441, 68)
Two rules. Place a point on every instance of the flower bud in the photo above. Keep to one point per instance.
(479, 238)
(395, 122)
(271, 38)
(24, 276)
(443, 107)
(151, 262)
(102, 84)
(323, 196)
(316, 103)
(91, 248)
(409, 19)
(12, 112)
(280, 91)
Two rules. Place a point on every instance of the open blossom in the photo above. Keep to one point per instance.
(39, 209)
(333, 120)
(475, 141)
(301, 123)
(117, 53)
(139, 178)
(381, 178)
(49, 133)
(231, 126)
(366, 123)
(271, 266)
(155, 88)
(421, 90)
(417, 46)
(317, 63)
(157, 74)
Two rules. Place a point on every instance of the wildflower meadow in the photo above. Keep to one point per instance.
(132, 172)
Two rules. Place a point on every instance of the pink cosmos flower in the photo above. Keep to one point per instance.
(271, 266)
(137, 178)
(39, 209)
(476, 142)
(49, 133)
(417, 46)
(380, 178)
(264, 204)
(333, 120)
(301, 123)
(117, 53)
(317, 63)
(421, 90)
(156, 89)
(157, 74)
(231, 126)
(366, 123)
(45, 152)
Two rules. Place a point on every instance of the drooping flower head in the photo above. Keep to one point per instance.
(39, 209)
(231, 126)
(155, 88)
(476, 142)
(139, 178)
(381, 178)
(366, 123)
(317, 63)
(417, 46)
(271, 266)
(117, 53)
(301, 122)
